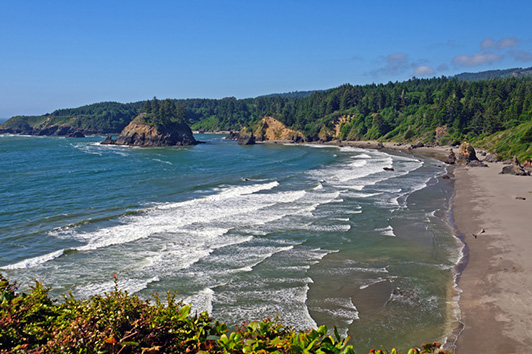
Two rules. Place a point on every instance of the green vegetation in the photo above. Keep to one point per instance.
(163, 113)
(105, 117)
(463, 109)
(117, 322)
(495, 74)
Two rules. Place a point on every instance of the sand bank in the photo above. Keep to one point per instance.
(496, 305)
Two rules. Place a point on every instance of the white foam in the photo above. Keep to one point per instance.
(373, 282)
(130, 285)
(386, 231)
(330, 228)
(202, 301)
(34, 261)
(361, 156)
(162, 161)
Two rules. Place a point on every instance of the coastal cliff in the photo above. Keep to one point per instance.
(269, 128)
(141, 133)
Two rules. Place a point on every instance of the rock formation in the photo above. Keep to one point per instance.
(245, 137)
(419, 144)
(490, 158)
(140, 133)
(270, 128)
(451, 159)
(232, 135)
(514, 168)
(467, 153)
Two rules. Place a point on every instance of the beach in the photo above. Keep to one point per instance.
(495, 303)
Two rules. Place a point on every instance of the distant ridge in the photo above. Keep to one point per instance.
(292, 95)
(495, 74)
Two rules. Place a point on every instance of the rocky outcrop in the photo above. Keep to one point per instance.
(270, 128)
(52, 130)
(338, 123)
(245, 137)
(514, 168)
(490, 158)
(232, 136)
(451, 159)
(440, 132)
(467, 153)
(6, 131)
(75, 134)
(468, 156)
(140, 133)
(419, 144)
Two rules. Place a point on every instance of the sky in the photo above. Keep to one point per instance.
(65, 54)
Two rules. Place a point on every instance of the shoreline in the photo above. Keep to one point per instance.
(495, 288)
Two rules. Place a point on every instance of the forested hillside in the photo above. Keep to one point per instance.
(496, 113)
(495, 74)
(104, 117)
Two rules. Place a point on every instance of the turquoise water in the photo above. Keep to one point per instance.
(316, 235)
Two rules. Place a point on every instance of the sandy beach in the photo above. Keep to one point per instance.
(497, 284)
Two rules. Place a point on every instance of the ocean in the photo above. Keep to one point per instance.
(313, 234)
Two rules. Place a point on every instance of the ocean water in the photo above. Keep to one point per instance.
(314, 234)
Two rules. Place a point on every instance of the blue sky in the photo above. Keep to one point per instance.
(61, 54)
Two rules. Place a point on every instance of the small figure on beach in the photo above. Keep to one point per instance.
(480, 232)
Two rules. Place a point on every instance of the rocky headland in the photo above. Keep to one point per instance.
(46, 128)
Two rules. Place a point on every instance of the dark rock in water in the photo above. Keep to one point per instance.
(7, 131)
(388, 169)
(446, 177)
(108, 141)
(245, 139)
(514, 169)
(75, 134)
(232, 136)
(298, 139)
(466, 153)
(64, 131)
(26, 131)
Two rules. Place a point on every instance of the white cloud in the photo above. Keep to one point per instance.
(503, 43)
(521, 55)
(423, 70)
(477, 59)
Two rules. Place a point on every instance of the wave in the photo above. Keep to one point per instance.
(34, 261)
(201, 301)
(131, 285)
(386, 231)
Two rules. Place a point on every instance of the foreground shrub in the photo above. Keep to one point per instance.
(117, 322)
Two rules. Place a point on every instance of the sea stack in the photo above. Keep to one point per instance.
(161, 124)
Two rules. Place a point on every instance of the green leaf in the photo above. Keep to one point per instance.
(184, 312)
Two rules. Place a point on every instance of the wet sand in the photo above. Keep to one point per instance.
(496, 307)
